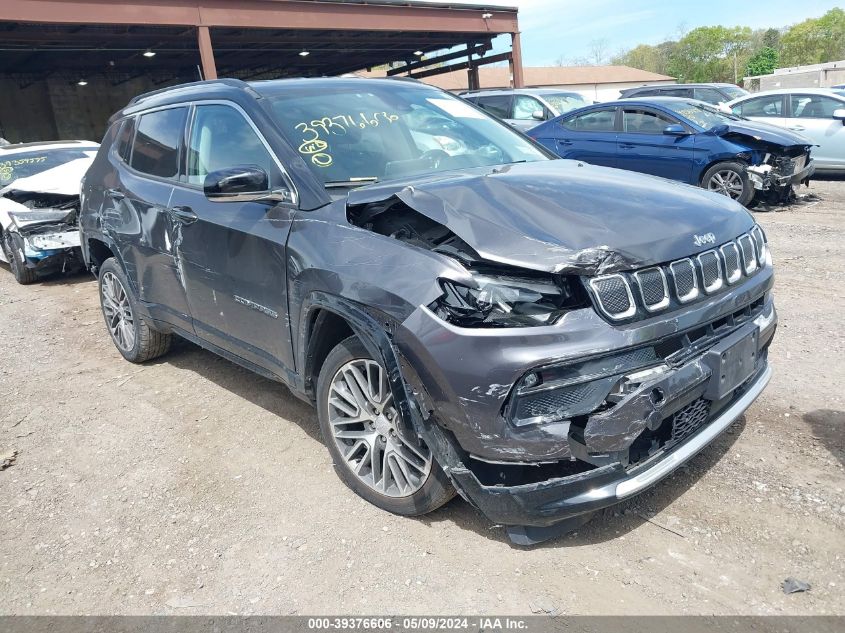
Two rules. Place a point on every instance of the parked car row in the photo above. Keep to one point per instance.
(685, 140)
(545, 337)
(748, 146)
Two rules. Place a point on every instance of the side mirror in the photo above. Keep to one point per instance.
(839, 115)
(538, 115)
(675, 130)
(242, 183)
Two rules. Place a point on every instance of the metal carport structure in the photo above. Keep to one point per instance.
(120, 48)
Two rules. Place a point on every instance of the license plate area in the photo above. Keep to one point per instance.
(732, 362)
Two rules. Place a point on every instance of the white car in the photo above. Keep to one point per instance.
(817, 113)
(39, 202)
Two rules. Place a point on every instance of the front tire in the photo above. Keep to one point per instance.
(729, 179)
(23, 275)
(357, 421)
(129, 331)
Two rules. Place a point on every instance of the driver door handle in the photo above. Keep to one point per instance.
(115, 194)
(185, 215)
(798, 128)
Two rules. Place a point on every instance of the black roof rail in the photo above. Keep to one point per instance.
(226, 81)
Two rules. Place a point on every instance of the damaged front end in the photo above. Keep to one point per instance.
(41, 233)
(778, 174)
(553, 381)
(774, 168)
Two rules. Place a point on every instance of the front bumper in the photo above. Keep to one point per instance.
(555, 501)
(764, 178)
(566, 470)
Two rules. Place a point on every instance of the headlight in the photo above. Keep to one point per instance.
(507, 301)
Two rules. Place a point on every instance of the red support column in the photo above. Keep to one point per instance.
(516, 62)
(209, 69)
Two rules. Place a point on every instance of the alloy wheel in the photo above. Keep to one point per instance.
(118, 312)
(363, 424)
(727, 182)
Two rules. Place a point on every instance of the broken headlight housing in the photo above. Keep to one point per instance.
(505, 300)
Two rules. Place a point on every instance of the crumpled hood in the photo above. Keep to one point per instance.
(568, 217)
(762, 132)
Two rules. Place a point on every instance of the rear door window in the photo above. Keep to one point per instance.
(710, 95)
(497, 105)
(675, 92)
(123, 147)
(767, 106)
(156, 147)
(595, 121)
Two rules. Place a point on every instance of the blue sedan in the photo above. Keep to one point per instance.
(684, 140)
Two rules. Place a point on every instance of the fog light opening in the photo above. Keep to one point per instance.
(531, 380)
(657, 396)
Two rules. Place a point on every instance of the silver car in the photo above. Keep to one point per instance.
(817, 113)
(523, 108)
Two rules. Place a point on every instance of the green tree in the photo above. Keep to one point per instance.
(762, 62)
(771, 39)
(646, 57)
(816, 40)
(711, 53)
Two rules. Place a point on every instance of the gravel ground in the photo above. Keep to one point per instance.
(190, 486)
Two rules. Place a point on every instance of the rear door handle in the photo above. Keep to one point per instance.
(564, 142)
(626, 146)
(798, 128)
(115, 194)
(185, 215)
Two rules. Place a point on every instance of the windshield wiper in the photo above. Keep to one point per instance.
(352, 182)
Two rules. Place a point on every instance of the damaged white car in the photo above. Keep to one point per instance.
(39, 204)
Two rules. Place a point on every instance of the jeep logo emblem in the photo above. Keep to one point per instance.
(701, 240)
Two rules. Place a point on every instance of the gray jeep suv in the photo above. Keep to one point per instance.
(466, 312)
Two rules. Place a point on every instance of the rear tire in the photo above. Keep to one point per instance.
(369, 457)
(729, 179)
(131, 334)
(23, 275)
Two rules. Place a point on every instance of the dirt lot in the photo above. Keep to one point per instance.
(192, 486)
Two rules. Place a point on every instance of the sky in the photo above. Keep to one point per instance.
(554, 29)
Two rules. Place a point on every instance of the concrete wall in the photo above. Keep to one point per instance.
(58, 109)
(812, 76)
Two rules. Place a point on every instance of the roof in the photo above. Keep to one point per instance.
(70, 40)
(785, 91)
(244, 92)
(539, 76)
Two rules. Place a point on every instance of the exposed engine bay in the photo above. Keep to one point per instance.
(40, 226)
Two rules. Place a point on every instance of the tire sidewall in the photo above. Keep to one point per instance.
(22, 274)
(434, 492)
(738, 168)
(111, 266)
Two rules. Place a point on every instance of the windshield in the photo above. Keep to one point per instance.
(353, 134)
(27, 164)
(563, 102)
(700, 113)
(733, 92)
